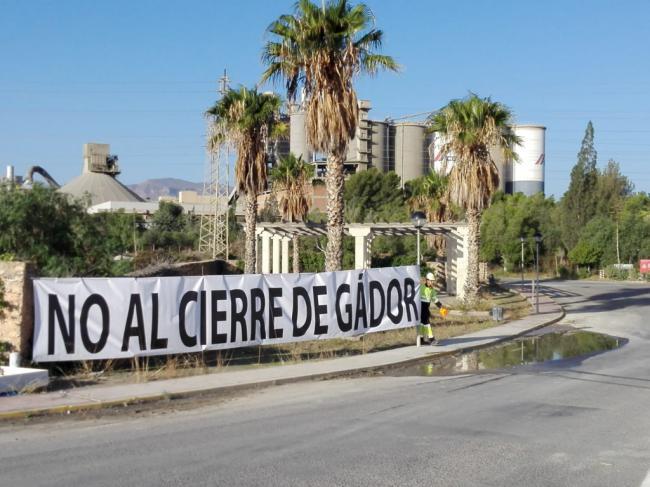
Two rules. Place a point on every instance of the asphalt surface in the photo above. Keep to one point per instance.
(577, 423)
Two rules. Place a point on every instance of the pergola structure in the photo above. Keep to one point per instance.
(273, 245)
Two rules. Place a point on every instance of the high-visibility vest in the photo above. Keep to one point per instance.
(428, 294)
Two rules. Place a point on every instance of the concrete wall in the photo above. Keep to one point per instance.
(17, 315)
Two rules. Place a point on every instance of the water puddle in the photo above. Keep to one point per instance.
(527, 350)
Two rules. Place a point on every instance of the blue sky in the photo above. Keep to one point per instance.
(140, 74)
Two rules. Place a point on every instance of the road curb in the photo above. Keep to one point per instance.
(64, 410)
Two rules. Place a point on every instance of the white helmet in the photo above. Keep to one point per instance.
(430, 276)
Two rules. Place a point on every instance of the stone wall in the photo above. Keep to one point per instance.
(17, 314)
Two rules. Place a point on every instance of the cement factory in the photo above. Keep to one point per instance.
(411, 151)
(99, 187)
(405, 147)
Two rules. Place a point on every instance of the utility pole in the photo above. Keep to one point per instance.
(213, 239)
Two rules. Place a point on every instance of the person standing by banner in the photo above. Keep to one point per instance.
(428, 295)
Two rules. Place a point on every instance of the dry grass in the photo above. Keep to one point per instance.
(167, 367)
(143, 369)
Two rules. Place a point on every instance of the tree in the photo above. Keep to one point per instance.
(579, 202)
(318, 51)
(53, 231)
(599, 235)
(612, 188)
(123, 231)
(292, 181)
(585, 253)
(372, 196)
(170, 228)
(471, 127)
(246, 118)
(635, 228)
(427, 194)
(511, 217)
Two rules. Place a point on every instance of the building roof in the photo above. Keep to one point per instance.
(148, 207)
(100, 188)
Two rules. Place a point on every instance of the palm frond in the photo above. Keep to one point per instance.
(470, 128)
(318, 50)
(245, 117)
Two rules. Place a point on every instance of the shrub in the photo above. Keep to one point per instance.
(613, 272)
(566, 273)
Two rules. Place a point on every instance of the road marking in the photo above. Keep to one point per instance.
(646, 480)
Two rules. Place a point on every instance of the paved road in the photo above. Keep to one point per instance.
(580, 423)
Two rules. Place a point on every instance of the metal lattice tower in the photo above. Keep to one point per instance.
(213, 238)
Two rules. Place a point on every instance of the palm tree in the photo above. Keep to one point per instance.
(246, 118)
(292, 179)
(318, 51)
(471, 127)
(427, 194)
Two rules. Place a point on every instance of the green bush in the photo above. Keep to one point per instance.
(53, 231)
(5, 348)
(613, 272)
(566, 273)
(583, 273)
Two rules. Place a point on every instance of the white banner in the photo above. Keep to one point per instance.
(102, 318)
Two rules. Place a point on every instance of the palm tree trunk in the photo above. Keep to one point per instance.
(250, 225)
(472, 283)
(334, 181)
(296, 254)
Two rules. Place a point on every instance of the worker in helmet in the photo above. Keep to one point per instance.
(428, 295)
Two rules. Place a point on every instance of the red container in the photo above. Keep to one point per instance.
(644, 266)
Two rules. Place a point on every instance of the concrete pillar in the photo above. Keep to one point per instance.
(457, 261)
(277, 241)
(285, 254)
(257, 251)
(368, 261)
(362, 240)
(266, 252)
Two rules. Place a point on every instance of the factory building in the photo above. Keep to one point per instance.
(98, 180)
(10, 177)
(411, 151)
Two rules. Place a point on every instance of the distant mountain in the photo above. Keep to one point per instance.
(153, 188)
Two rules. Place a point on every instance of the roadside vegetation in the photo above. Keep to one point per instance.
(67, 375)
(55, 233)
(317, 52)
(49, 229)
(599, 223)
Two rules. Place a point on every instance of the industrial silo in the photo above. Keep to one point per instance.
(442, 163)
(500, 162)
(528, 171)
(410, 149)
(378, 139)
(429, 142)
(359, 148)
(298, 133)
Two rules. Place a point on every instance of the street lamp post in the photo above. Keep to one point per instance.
(538, 240)
(522, 240)
(418, 218)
